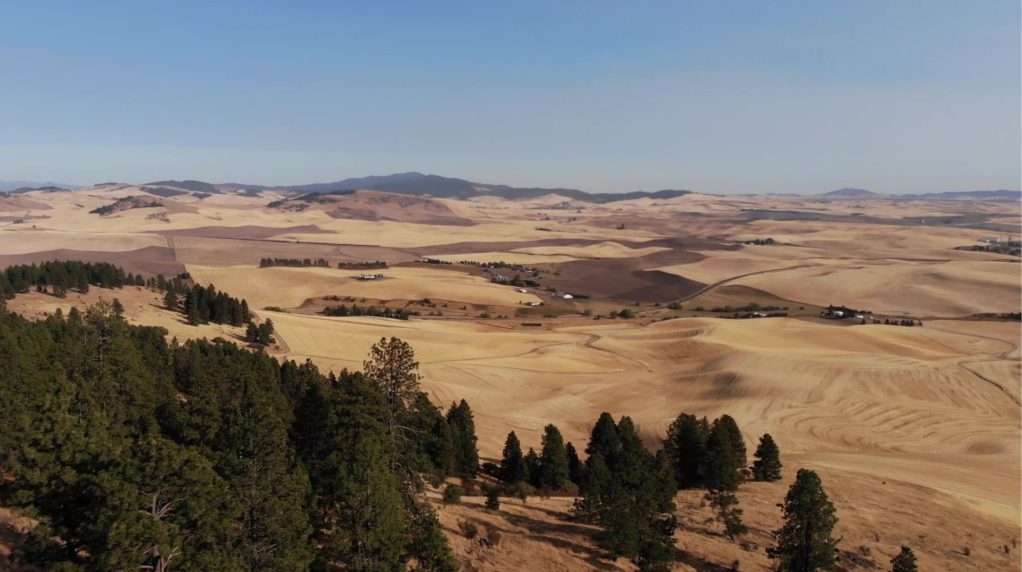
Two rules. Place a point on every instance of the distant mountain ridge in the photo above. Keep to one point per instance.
(24, 186)
(419, 184)
(998, 195)
(850, 193)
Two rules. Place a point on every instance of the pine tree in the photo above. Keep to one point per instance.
(342, 436)
(512, 463)
(258, 463)
(553, 460)
(767, 466)
(427, 543)
(905, 561)
(466, 456)
(645, 497)
(532, 467)
(737, 441)
(720, 463)
(728, 513)
(392, 368)
(576, 470)
(439, 443)
(804, 542)
(604, 438)
(686, 447)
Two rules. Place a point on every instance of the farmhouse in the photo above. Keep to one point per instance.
(370, 276)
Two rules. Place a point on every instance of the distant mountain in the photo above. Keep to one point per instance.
(197, 186)
(419, 184)
(1000, 195)
(850, 193)
(19, 185)
(46, 189)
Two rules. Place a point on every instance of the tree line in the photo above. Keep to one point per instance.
(355, 310)
(260, 334)
(58, 277)
(371, 265)
(304, 262)
(201, 305)
(198, 304)
(136, 453)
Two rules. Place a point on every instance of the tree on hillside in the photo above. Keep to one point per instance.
(512, 463)
(686, 447)
(604, 439)
(463, 432)
(392, 368)
(342, 436)
(257, 462)
(737, 441)
(804, 542)
(720, 463)
(532, 467)
(725, 503)
(576, 470)
(553, 460)
(767, 466)
(905, 561)
(427, 542)
(438, 446)
(629, 493)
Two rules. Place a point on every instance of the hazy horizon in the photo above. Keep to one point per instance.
(905, 97)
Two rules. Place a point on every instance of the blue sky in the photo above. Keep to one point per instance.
(724, 97)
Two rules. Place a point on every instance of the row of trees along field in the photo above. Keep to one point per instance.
(201, 305)
(355, 310)
(135, 453)
(298, 262)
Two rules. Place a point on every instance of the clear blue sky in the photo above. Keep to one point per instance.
(716, 96)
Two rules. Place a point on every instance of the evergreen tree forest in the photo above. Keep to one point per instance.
(355, 310)
(137, 453)
(203, 305)
(198, 304)
(296, 262)
(58, 277)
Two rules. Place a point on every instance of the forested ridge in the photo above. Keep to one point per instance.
(60, 276)
(198, 304)
(133, 452)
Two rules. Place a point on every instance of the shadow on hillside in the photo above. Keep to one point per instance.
(553, 533)
(700, 564)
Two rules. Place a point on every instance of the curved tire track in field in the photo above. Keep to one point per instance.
(718, 283)
(1003, 356)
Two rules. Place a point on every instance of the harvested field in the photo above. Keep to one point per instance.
(289, 287)
(247, 232)
(864, 398)
(148, 261)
